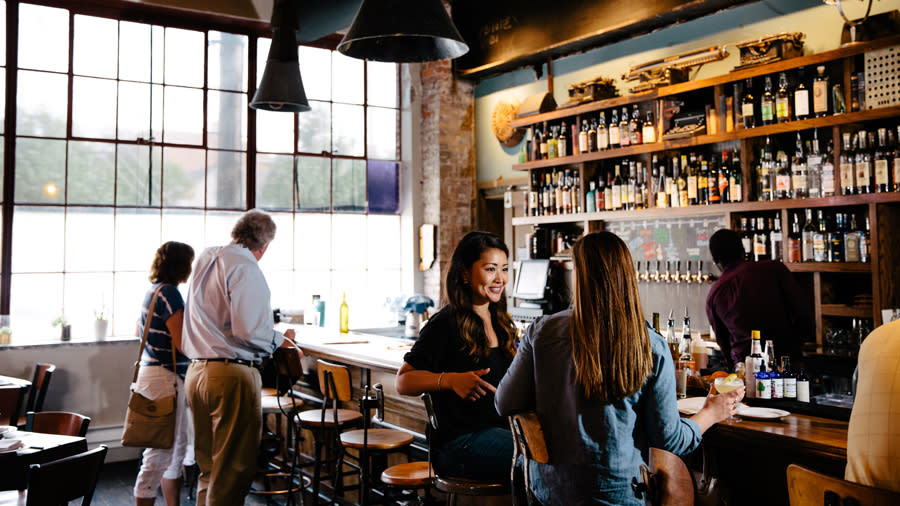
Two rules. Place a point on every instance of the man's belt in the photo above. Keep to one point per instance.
(239, 361)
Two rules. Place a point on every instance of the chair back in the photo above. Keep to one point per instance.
(668, 480)
(12, 398)
(64, 480)
(808, 488)
(57, 422)
(528, 437)
(42, 374)
(338, 387)
(288, 367)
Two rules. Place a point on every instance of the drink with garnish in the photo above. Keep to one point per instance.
(728, 384)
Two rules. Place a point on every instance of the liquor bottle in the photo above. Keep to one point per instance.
(566, 193)
(602, 190)
(615, 135)
(782, 179)
(864, 242)
(776, 240)
(746, 238)
(544, 145)
(713, 182)
(799, 172)
(617, 190)
(820, 92)
(828, 171)
(724, 178)
(836, 239)
(624, 133)
(648, 129)
(775, 377)
(802, 386)
(863, 164)
(576, 192)
(783, 99)
(592, 135)
(692, 183)
(686, 345)
(801, 96)
(642, 198)
(583, 146)
(847, 169)
(662, 196)
(671, 340)
(562, 141)
(754, 363)
(553, 143)
(790, 378)
(635, 127)
(672, 184)
(703, 184)
(851, 242)
(345, 315)
(681, 183)
(608, 193)
(748, 107)
(735, 181)
(534, 194)
(896, 171)
(767, 103)
(590, 199)
(807, 235)
(814, 168)
(795, 241)
(536, 144)
(557, 192)
(766, 173)
(761, 246)
(602, 133)
(821, 242)
(882, 162)
(549, 203)
(630, 188)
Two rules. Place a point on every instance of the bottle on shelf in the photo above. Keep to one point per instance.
(681, 182)
(548, 200)
(590, 198)
(790, 378)
(882, 160)
(565, 193)
(345, 315)
(746, 238)
(624, 129)
(641, 198)
(557, 192)
(692, 180)
(767, 103)
(821, 240)
(629, 190)
(685, 364)
(863, 164)
(562, 148)
(836, 239)
(802, 386)
(602, 134)
(553, 143)
(828, 171)
(848, 175)
(864, 241)
(896, 169)
(713, 182)
(748, 106)
(602, 190)
(533, 195)
(592, 134)
(753, 364)
(799, 172)
(662, 196)
(608, 193)
(735, 179)
(615, 133)
(545, 146)
(783, 188)
(783, 99)
(807, 235)
(671, 340)
(820, 92)
(583, 146)
(762, 249)
(617, 190)
(766, 173)
(724, 178)
(703, 183)
(536, 144)
(801, 96)
(648, 129)
(776, 240)
(635, 126)
(851, 242)
(794, 250)
(576, 192)
(814, 168)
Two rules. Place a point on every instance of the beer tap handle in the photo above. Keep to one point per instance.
(677, 275)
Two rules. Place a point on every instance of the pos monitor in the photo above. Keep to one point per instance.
(531, 280)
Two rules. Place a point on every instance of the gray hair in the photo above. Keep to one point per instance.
(254, 229)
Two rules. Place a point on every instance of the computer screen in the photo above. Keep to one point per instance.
(531, 279)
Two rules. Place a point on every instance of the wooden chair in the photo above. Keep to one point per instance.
(531, 445)
(57, 422)
(667, 482)
(809, 488)
(67, 479)
(38, 391)
(12, 399)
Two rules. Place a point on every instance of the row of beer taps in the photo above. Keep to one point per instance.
(670, 276)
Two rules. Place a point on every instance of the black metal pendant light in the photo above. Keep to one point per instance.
(281, 88)
(403, 31)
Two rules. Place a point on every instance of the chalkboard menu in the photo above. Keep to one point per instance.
(507, 34)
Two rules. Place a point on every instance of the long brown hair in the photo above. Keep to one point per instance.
(610, 340)
(459, 297)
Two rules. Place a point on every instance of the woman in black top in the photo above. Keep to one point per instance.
(461, 355)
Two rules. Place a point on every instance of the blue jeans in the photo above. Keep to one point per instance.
(483, 455)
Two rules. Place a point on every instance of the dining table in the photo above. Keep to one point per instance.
(13, 393)
(36, 448)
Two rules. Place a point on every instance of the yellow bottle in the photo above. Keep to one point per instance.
(345, 316)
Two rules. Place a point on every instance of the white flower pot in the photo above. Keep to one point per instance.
(100, 327)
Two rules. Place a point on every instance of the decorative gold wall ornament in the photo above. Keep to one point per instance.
(505, 111)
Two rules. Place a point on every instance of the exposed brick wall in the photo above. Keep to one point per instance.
(448, 163)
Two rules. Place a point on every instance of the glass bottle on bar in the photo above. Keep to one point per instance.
(783, 99)
(802, 386)
(748, 105)
(608, 193)
(847, 170)
(790, 378)
(566, 193)
(685, 365)
(536, 144)
(814, 168)
(767, 103)
(801, 96)
(557, 191)
(662, 196)
(754, 363)
(820, 92)
(533, 194)
(799, 172)
(590, 198)
(671, 340)
(863, 164)
(624, 134)
(775, 378)
(882, 163)
(615, 135)
(864, 241)
(576, 192)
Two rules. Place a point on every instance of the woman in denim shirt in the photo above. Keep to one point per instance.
(602, 384)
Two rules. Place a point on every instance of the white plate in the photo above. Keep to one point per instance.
(761, 413)
(691, 405)
(4, 428)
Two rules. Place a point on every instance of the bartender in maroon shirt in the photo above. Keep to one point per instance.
(755, 296)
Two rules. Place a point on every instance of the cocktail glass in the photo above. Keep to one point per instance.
(728, 384)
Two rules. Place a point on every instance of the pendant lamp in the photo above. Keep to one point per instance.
(403, 31)
(281, 88)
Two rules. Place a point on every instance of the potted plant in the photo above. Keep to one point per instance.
(65, 328)
(101, 324)
(5, 335)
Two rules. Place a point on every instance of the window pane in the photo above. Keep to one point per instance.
(314, 181)
(91, 174)
(228, 61)
(225, 185)
(134, 51)
(347, 130)
(381, 136)
(129, 292)
(137, 237)
(134, 110)
(137, 177)
(95, 46)
(218, 227)
(183, 122)
(227, 120)
(280, 255)
(3, 33)
(312, 243)
(43, 38)
(347, 79)
(89, 239)
(40, 170)
(93, 108)
(184, 57)
(183, 225)
(384, 286)
(314, 129)
(262, 51)
(383, 248)
(349, 240)
(275, 131)
(383, 183)
(41, 104)
(349, 185)
(382, 84)
(315, 70)
(183, 176)
(35, 301)
(157, 56)
(37, 242)
(2, 96)
(274, 181)
(83, 295)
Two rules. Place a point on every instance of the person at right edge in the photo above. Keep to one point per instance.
(602, 384)
(228, 329)
(761, 296)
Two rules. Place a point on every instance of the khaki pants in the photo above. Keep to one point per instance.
(225, 400)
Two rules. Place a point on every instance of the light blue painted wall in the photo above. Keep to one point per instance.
(821, 23)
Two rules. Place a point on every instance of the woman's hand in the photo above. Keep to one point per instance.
(718, 407)
(469, 385)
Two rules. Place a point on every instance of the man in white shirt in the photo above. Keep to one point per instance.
(228, 328)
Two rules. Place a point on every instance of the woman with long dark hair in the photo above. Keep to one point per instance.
(602, 384)
(460, 356)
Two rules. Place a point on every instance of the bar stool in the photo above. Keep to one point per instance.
(528, 435)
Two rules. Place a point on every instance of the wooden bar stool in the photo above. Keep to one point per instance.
(528, 435)
(409, 476)
(667, 482)
(807, 488)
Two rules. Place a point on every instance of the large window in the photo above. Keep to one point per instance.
(130, 134)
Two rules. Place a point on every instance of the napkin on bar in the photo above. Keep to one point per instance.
(8, 445)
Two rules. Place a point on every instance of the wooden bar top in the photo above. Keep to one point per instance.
(794, 433)
(368, 351)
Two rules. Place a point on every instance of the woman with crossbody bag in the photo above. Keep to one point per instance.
(158, 377)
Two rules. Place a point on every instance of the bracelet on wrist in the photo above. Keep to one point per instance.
(439, 381)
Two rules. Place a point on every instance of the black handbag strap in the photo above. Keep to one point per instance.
(150, 310)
